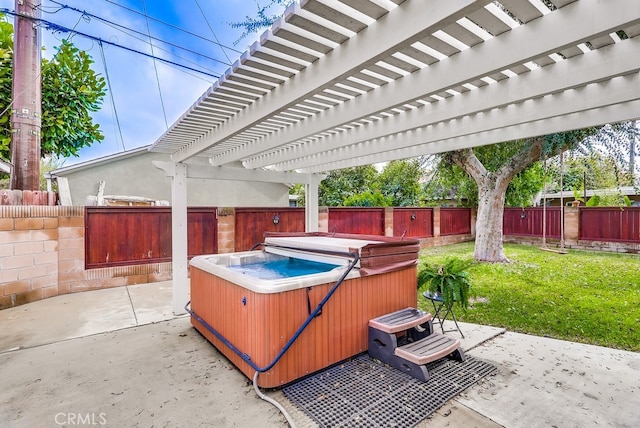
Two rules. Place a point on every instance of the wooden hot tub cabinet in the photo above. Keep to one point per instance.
(259, 324)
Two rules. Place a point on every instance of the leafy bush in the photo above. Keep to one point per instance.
(450, 279)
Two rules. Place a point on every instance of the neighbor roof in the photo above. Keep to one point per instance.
(100, 161)
(622, 190)
(340, 83)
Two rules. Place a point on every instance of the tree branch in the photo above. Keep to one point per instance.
(526, 157)
(467, 160)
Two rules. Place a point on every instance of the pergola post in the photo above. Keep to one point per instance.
(179, 238)
(311, 203)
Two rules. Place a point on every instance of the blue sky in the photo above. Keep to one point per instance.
(135, 89)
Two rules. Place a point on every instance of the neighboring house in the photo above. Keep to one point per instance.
(5, 166)
(568, 196)
(132, 174)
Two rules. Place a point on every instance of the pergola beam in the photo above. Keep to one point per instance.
(211, 172)
(564, 28)
(596, 66)
(410, 22)
(509, 123)
(408, 149)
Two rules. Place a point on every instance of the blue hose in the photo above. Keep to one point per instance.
(312, 315)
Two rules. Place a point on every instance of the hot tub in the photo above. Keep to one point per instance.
(252, 320)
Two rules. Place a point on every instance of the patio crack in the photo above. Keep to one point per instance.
(133, 309)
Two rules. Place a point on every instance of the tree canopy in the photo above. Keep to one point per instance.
(450, 182)
(341, 184)
(398, 184)
(71, 90)
(494, 174)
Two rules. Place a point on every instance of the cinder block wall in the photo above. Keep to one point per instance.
(28, 254)
(226, 230)
(42, 255)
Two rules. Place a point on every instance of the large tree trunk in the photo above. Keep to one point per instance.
(489, 221)
(492, 188)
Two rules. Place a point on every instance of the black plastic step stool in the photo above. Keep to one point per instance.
(405, 340)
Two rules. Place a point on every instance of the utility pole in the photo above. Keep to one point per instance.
(26, 113)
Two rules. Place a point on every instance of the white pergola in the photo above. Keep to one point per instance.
(342, 83)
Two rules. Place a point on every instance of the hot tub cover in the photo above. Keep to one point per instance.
(378, 254)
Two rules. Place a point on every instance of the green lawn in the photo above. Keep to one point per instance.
(582, 296)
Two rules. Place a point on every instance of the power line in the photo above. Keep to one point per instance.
(61, 29)
(169, 52)
(212, 32)
(155, 68)
(122, 27)
(174, 27)
(113, 101)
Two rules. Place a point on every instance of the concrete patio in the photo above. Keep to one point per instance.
(118, 357)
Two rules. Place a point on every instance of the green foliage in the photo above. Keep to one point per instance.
(593, 169)
(593, 201)
(400, 181)
(609, 199)
(341, 184)
(554, 144)
(368, 199)
(495, 156)
(524, 186)
(48, 164)
(588, 297)
(603, 154)
(452, 182)
(397, 185)
(71, 90)
(264, 18)
(298, 190)
(448, 278)
(6, 65)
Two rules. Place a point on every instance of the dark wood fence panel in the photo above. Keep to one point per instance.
(529, 221)
(252, 223)
(455, 221)
(413, 222)
(121, 236)
(364, 221)
(610, 224)
(202, 231)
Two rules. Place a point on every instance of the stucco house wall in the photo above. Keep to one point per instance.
(132, 173)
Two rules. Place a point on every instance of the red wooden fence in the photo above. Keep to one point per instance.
(366, 221)
(413, 222)
(252, 223)
(455, 221)
(610, 224)
(528, 221)
(121, 236)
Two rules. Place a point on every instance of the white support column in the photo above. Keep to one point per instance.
(179, 238)
(311, 203)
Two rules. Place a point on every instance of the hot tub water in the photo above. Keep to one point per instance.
(284, 268)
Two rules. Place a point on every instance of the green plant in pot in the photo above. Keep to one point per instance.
(449, 279)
